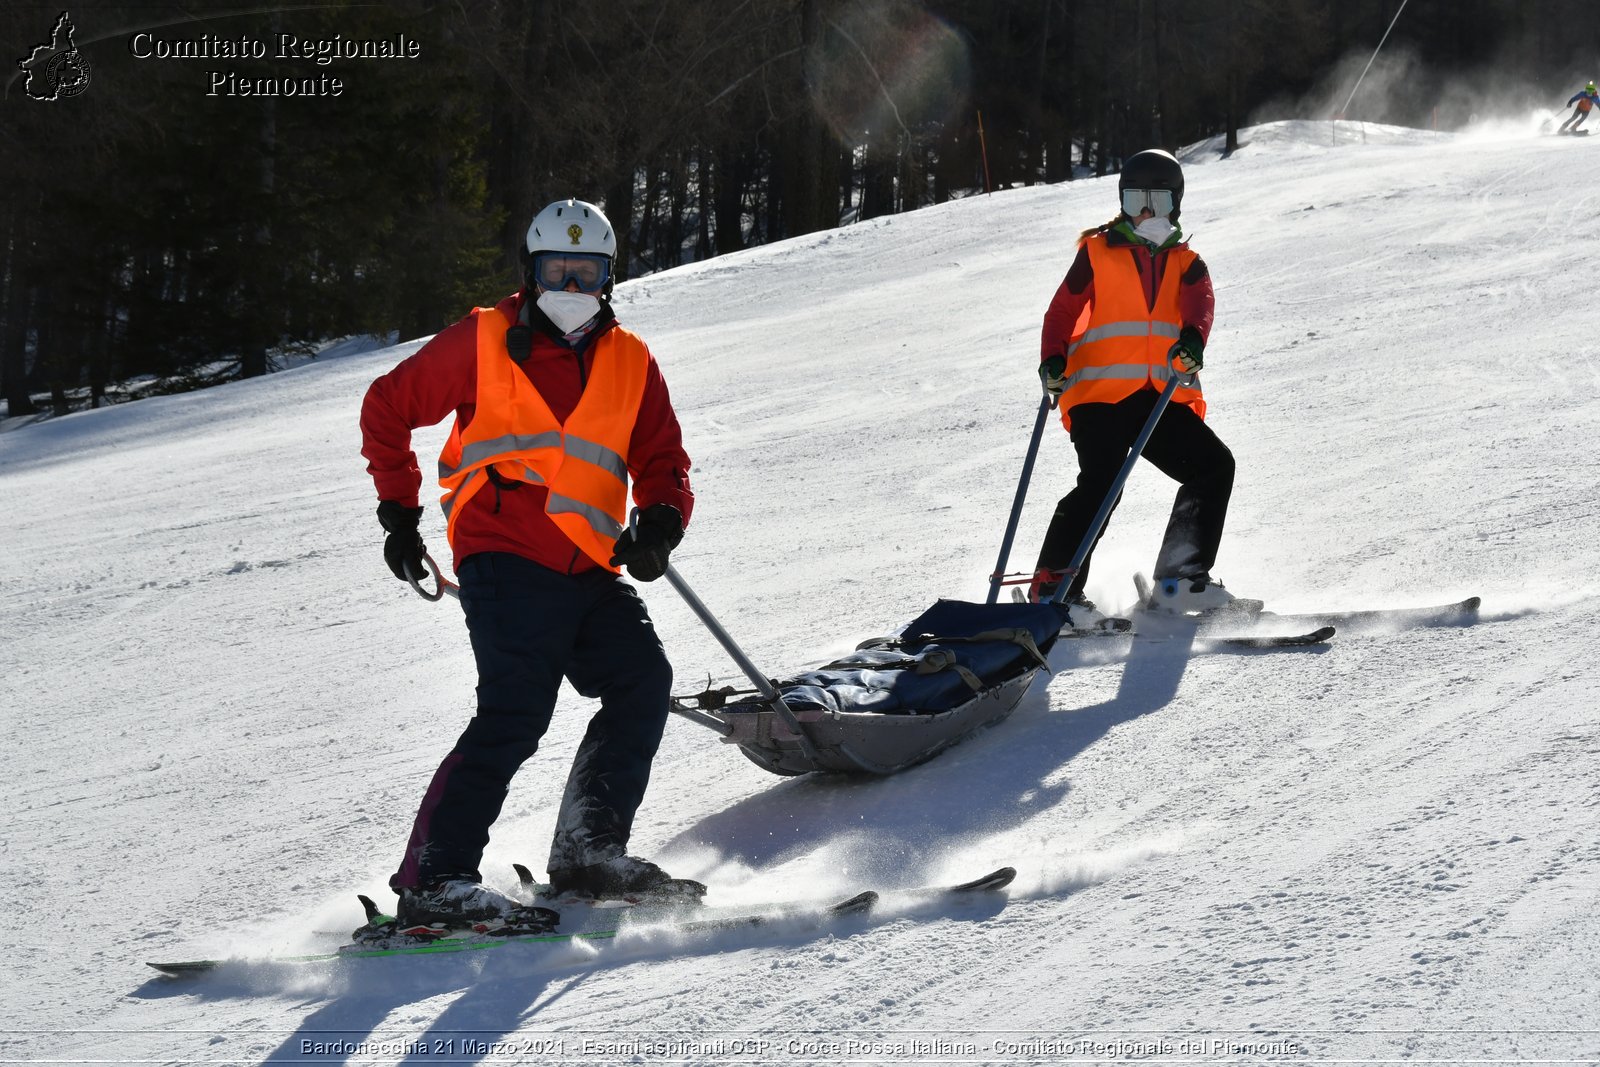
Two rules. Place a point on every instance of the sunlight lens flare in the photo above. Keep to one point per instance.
(887, 65)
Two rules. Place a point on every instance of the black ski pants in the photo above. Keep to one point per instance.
(1182, 447)
(530, 627)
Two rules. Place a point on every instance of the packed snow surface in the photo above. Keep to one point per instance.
(221, 710)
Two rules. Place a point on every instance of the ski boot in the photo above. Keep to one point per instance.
(1083, 618)
(457, 902)
(625, 878)
(1197, 594)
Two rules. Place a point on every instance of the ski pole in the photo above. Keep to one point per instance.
(763, 684)
(1047, 403)
(1116, 487)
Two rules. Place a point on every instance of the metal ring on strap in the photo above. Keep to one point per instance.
(442, 585)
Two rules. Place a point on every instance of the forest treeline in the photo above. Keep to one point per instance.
(155, 231)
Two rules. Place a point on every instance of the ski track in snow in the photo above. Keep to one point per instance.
(221, 710)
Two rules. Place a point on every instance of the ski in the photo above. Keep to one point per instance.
(992, 882)
(860, 904)
(646, 912)
(468, 940)
(1183, 630)
(1461, 611)
(1255, 618)
(1317, 636)
(1320, 636)
(686, 922)
(1117, 626)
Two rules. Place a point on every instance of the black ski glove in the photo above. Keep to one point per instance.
(645, 556)
(403, 548)
(1053, 375)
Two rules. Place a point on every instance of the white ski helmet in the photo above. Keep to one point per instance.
(572, 226)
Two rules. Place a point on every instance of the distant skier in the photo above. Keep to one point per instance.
(1585, 99)
(1135, 306)
(555, 406)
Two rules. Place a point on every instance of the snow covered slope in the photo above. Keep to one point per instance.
(220, 710)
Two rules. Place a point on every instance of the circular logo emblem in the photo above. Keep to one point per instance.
(68, 74)
(575, 232)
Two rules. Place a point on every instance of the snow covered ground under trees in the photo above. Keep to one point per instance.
(220, 710)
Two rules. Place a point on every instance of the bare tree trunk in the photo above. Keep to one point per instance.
(253, 354)
(619, 209)
(810, 157)
(16, 311)
(729, 200)
(677, 197)
(877, 192)
(777, 192)
(1231, 97)
(847, 179)
(100, 335)
(702, 178)
(515, 172)
(48, 356)
(946, 164)
(650, 258)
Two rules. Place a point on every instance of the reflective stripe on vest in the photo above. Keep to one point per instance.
(481, 451)
(582, 463)
(1121, 343)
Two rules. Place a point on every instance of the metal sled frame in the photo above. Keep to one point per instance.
(787, 742)
(855, 742)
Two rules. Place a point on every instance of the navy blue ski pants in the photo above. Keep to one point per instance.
(1182, 447)
(530, 627)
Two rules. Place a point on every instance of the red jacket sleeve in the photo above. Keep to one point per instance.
(1196, 300)
(439, 378)
(656, 459)
(1075, 292)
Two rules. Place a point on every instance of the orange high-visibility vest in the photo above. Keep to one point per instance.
(1119, 345)
(582, 463)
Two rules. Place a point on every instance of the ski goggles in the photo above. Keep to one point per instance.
(1159, 201)
(553, 270)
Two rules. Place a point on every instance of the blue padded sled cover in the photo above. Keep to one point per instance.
(889, 679)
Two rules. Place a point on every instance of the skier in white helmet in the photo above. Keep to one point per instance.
(556, 408)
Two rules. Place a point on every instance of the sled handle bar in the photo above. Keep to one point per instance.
(1100, 517)
(763, 684)
(1047, 404)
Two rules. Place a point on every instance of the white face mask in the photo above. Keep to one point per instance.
(1155, 229)
(568, 310)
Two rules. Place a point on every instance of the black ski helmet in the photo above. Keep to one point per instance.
(1154, 168)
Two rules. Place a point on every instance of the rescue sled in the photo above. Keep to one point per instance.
(894, 702)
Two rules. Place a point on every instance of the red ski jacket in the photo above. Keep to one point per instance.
(440, 379)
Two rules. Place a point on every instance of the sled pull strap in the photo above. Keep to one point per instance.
(1017, 635)
(942, 659)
